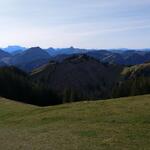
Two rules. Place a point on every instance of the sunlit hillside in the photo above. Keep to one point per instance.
(113, 124)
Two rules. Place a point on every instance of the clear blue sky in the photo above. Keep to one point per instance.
(79, 23)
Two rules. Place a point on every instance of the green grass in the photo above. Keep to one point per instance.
(121, 124)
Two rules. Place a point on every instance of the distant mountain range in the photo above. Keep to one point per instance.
(28, 59)
(12, 49)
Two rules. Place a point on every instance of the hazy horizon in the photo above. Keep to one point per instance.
(119, 48)
(97, 24)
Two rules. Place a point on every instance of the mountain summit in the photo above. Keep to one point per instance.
(30, 55)
(14, 48)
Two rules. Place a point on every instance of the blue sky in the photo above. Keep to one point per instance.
(78, 23)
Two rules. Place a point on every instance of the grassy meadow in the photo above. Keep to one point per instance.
(119, 124)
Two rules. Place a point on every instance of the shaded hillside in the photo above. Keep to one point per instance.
(78, 77)
(30, 66)
(4, 54)
(2, 64)
(107, 56)
(128, 57)
(16, 85)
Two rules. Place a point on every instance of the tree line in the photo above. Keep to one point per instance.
(17, 85)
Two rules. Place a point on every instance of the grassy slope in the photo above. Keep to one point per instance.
(119, 125)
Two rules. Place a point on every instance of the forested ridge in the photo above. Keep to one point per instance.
(75, 79)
